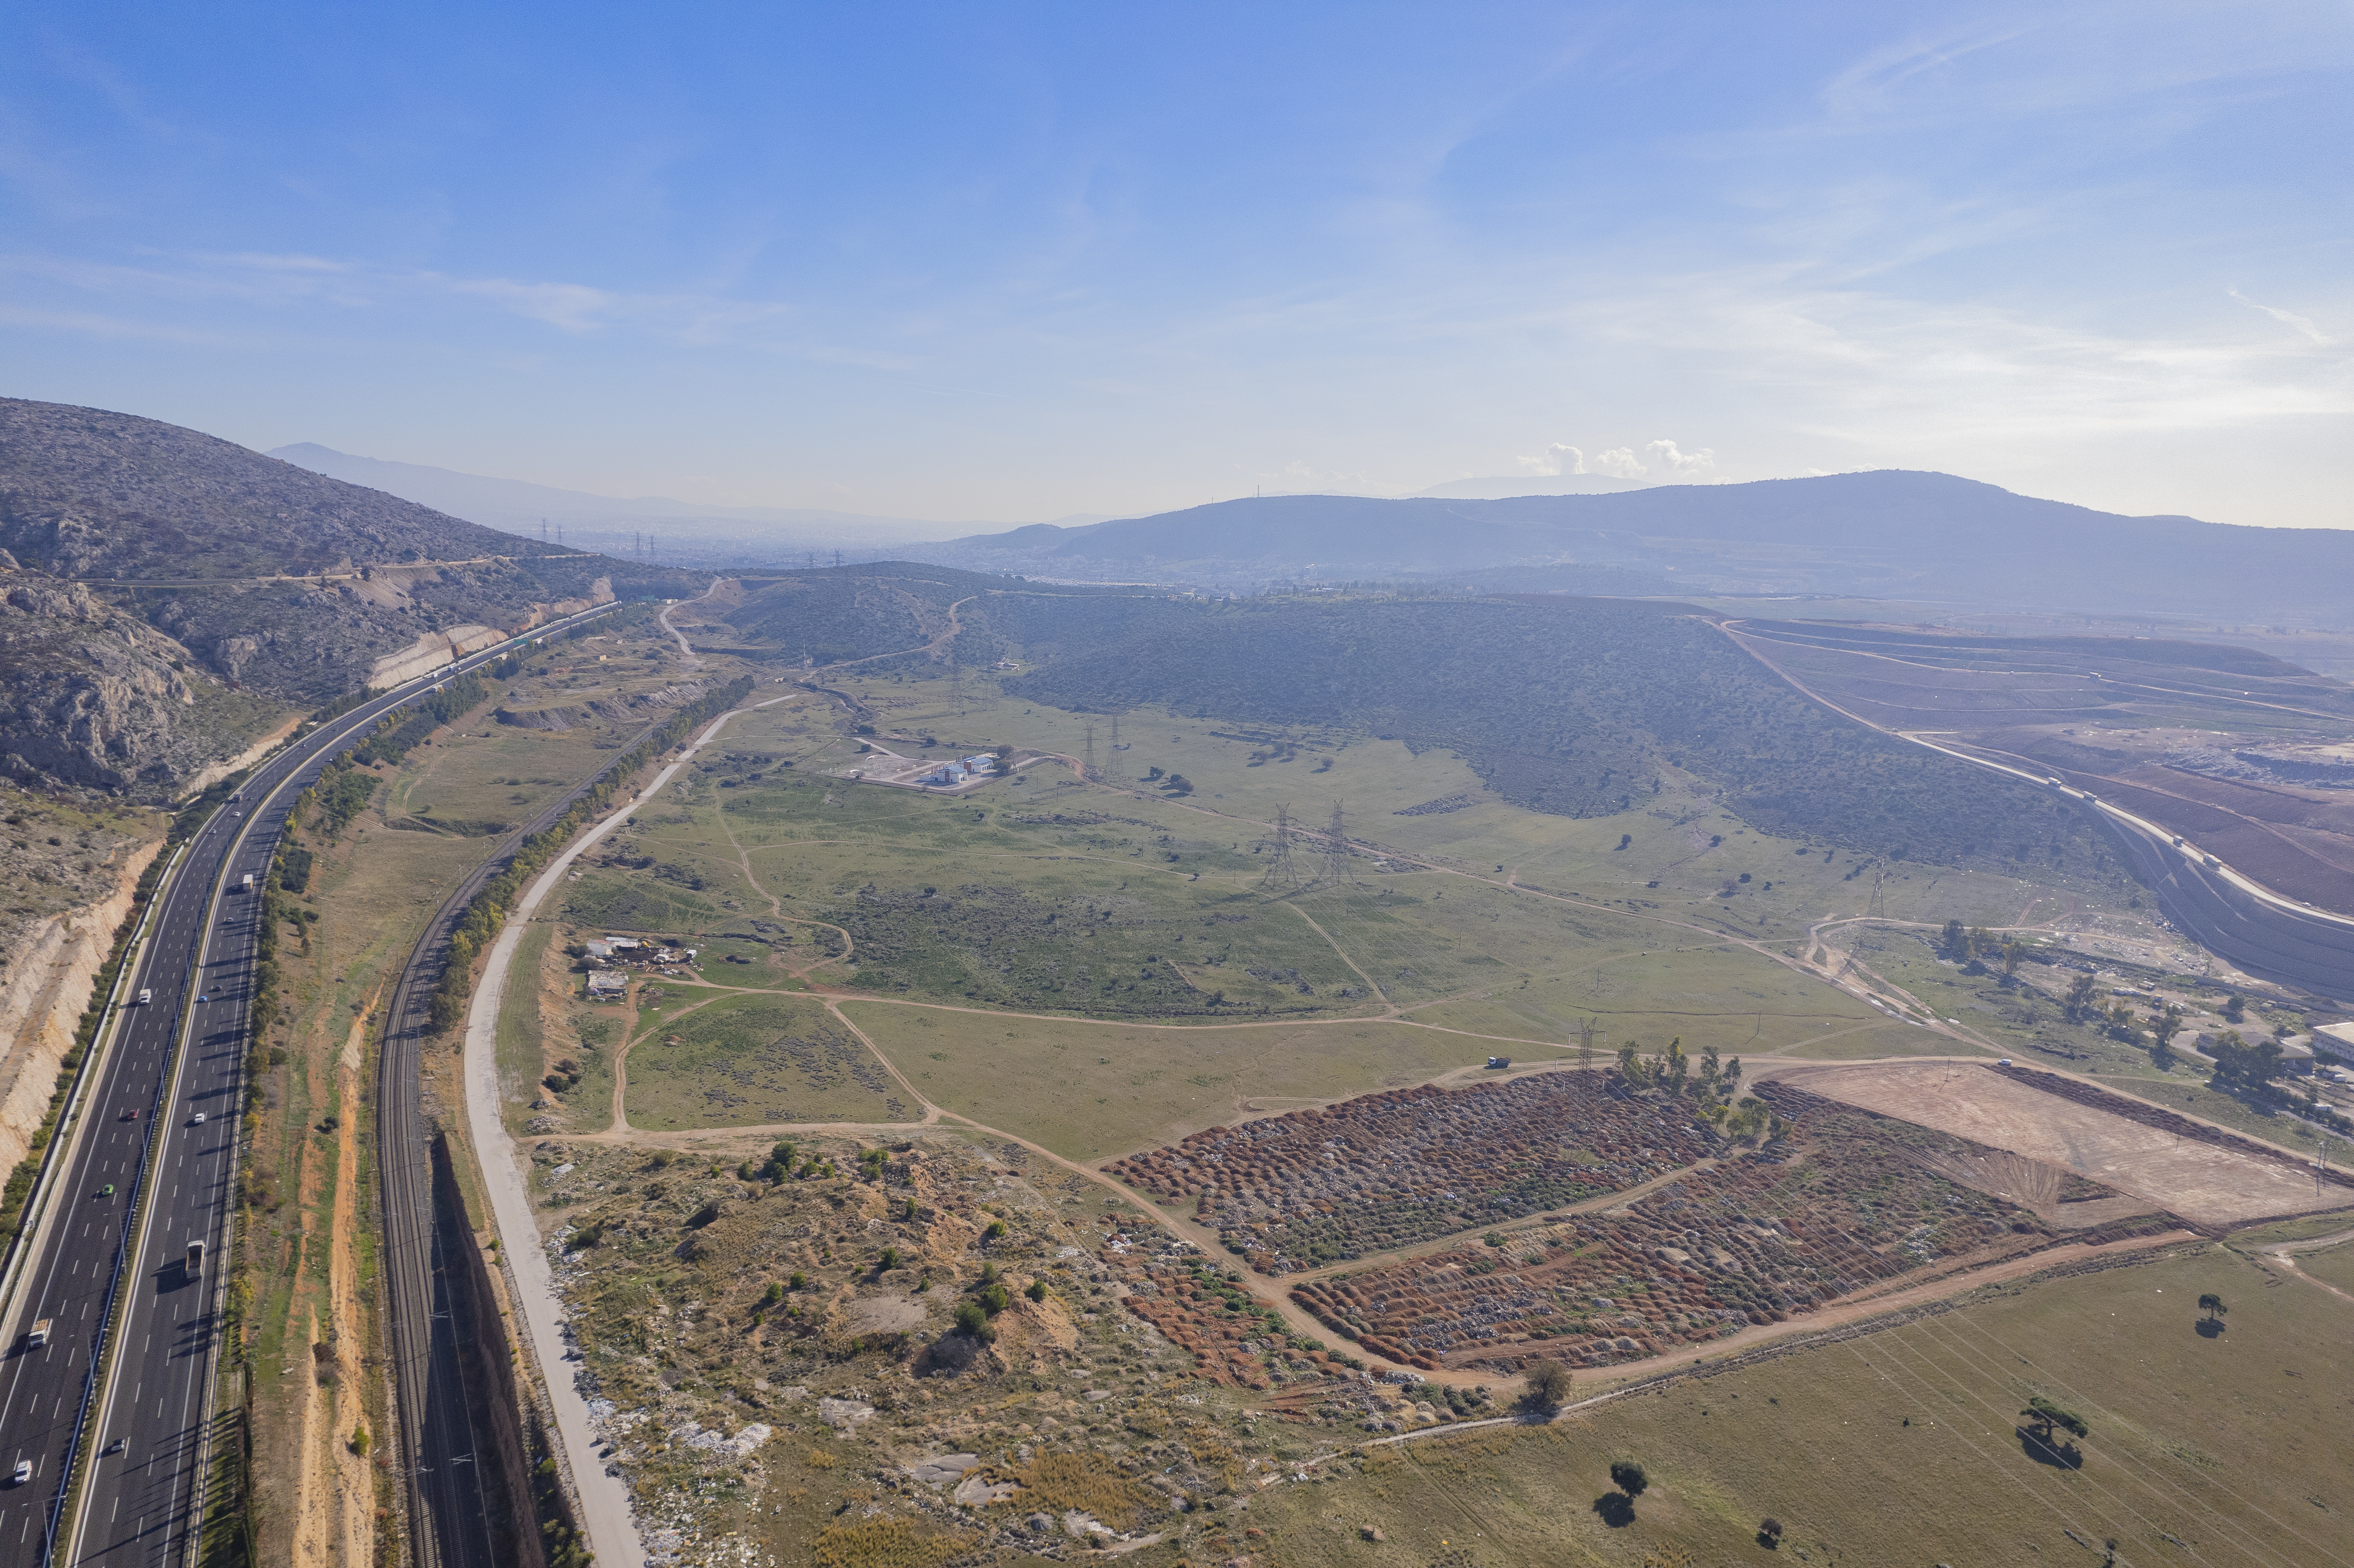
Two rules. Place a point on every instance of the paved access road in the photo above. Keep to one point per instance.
(450, 1464)
(88, 1267)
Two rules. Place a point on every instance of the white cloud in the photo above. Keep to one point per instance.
(1555, 460)
(279, 281)
(1683, 465)
(2301, 323)
(1619, 462)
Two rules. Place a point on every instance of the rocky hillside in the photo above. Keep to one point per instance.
(165, 596)
(95, 496)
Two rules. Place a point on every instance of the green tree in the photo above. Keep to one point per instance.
(1549, 1385)
(2013, 950)
(2166, 1026)
(971, 1321)
(1712, 1069)
(2212, 1305)
(1633, 1068)
(1629, 1478)
(1749, 1118)
(1955, 942)
(2079, 1000)
(2247, 1066)
(2044, 1416)
(1673, 1067)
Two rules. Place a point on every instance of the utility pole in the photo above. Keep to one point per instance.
(1279, 869)
(1088, 772)
(1115, 732)
(1337, 853)
(837, 559)
(543, 530)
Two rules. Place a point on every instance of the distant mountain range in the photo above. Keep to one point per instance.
(1928, 538)
(686, 532)
(1892, 535)
(1508, 486)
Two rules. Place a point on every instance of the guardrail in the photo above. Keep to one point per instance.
(73, 1481)
(67, 1134)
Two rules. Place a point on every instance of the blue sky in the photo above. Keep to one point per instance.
(1008, 261)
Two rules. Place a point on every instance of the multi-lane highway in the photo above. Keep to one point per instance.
(159, 1117)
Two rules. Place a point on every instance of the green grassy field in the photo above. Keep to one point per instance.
(522, 1030)
(753, 1060)
(2336, 1265)
(1114, 904)
(1903, 1447)
(1089, 1091)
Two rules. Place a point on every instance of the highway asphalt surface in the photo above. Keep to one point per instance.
(2261, 932)
(2270, 939)
(138, 1131)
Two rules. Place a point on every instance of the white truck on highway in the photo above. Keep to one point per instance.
(40, 1334)
(195, 1257)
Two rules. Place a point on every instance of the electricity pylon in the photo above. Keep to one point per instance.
(1280, 873)
(1337, 853)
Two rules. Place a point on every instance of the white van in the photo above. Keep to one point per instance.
(145, 996)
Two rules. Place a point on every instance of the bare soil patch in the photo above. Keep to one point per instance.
(2202, 1182)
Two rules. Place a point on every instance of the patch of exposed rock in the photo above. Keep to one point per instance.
(90, 695)
(158, 581)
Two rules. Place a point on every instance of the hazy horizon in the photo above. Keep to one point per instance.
(1002, 267)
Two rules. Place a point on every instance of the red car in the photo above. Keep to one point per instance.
(131, 1115)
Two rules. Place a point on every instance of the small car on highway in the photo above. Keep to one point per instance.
(24, 1471)
(197, 1119)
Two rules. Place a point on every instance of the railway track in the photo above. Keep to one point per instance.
(129, 1368)
(447, 1469)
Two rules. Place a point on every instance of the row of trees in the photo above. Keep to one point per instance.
(1711, 1089)
(1980, 947)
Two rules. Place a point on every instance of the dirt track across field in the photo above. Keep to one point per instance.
(2199, 1181)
